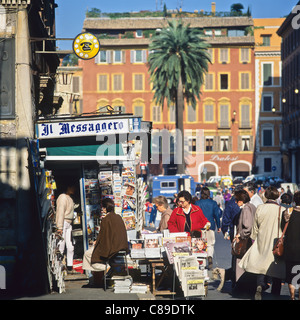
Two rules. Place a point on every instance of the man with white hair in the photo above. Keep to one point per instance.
(254, 197)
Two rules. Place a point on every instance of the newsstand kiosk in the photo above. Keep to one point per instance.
(100, 155)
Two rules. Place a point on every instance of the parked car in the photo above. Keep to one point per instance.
(275, 181)
(237, 180)
(257, 180)
(211, 182)
(225, 181)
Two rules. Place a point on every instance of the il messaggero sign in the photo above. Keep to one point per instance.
(87, 128)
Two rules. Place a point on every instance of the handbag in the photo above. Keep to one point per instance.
(278, 248)
(238, 249)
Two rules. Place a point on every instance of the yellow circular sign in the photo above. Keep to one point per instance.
(86, 46)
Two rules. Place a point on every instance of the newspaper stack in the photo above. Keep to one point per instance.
(139, 288)
(122, 284)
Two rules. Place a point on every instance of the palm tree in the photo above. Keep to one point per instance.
(178, 60)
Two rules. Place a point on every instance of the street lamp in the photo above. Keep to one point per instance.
(273, 109)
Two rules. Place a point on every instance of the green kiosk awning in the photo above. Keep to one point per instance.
(88, 152)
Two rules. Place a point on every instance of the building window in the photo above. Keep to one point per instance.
(192, 115)
(267, 74)
(245, 143)
(120, 109)
(117, 56)
(104, 56)
(245, 55)
(266, 40)
(209, 113)
(224, 113)
(139, 111)
(224, 81)
(156, 114)
(267, 102)
(138, 56)
(76, 84)
(192, 144)
(139, 33)
(210, 52)
(209, 144)
(224, 144)
(209, 81)
(172, 113)
(267, 137)
(267, 164)
(103, 82)
(138, 82)
(224, 55)
(117, 82)
(245, 116)
(245, 81)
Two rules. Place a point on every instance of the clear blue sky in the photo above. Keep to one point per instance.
(70, 14)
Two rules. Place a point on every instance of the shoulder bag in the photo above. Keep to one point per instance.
(238, 249)
(278, 248)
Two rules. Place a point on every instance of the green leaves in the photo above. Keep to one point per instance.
(177, 51)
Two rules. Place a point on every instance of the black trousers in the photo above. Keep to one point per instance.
(262, 281)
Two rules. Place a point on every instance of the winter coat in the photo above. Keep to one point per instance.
(211, 211)
(177, 220)
(165, 216)
(64, 210)
(230, 214)
(111, 239)
(292, 237)
(259, 259)
(246, 220)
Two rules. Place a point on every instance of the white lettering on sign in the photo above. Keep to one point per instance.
(85, 128)
(226, 158)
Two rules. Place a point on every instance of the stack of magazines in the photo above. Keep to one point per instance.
(122, 284)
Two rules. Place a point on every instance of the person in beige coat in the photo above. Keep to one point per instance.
(162, 206)
(259, 259)
(63, 219)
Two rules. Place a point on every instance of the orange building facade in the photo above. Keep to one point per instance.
(220, 133)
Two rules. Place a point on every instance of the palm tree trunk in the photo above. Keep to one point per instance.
(179, 157)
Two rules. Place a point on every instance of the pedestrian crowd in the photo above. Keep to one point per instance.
(252, 219)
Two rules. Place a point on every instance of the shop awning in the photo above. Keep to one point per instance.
(87, 152)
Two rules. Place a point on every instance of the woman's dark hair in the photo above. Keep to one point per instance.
(205, 193)
(297, 198)
(271, 193)
(241, 195)
(186, 195)
(286, 198)
(108, 204)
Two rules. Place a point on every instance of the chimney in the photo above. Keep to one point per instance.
(213, 8)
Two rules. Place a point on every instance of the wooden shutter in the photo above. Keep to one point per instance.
(103, 82)
(224, 116)
(245, 85)
(245, 117)
(209, 113)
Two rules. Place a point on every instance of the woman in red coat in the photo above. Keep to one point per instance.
(187, 217)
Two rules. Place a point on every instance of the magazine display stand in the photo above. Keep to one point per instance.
(185, 255)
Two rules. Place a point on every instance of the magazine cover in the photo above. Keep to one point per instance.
(129, 222)
(199, 245)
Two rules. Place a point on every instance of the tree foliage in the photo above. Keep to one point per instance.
(178, 51)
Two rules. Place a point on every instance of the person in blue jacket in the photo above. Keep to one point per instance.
(211, 211)
(230, 220)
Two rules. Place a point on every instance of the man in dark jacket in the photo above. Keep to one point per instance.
(111, 239)
(210, 209)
